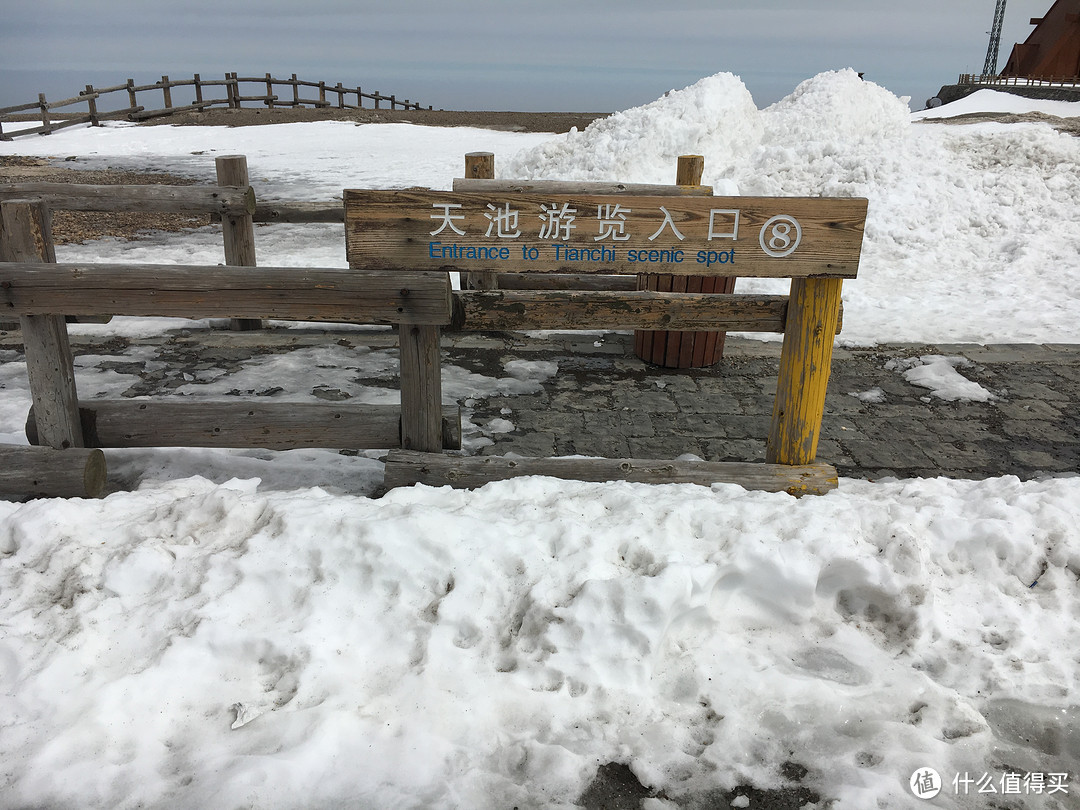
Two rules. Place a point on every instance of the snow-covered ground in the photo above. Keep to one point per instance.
(227, 635)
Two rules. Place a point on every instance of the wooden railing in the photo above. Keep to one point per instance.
(1019, 81)
(231, 92)
(387, 231)
(40, 292)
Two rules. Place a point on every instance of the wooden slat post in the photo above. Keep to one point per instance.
(46, 125)
(238, 230)
(269, 91)
(340, 96)
(322, 94)
(132, 101)
(377, 97)
(359, 98)
(197, 81)
(295, 91)
(421, 388)
(91, 103)
(805, 362)
(166, 92)
(26, 236)
(682, 349)
(232, 88)
(480, 166)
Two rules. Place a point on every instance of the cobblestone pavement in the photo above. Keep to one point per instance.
(604, 401)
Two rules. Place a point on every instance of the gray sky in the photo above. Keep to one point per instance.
(559, 55)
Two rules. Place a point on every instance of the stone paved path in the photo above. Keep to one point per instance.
(604, 401)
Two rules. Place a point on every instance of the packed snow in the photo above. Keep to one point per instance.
(226, 634)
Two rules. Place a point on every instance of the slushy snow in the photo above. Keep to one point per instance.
(228, 635)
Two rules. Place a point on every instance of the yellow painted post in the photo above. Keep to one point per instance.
(805, 362)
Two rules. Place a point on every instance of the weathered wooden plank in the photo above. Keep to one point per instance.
(196, 422)
(149, 198)
(42, 472)
(579, 187)
(421, 387)
(563, 281)
(404, 468)
(780, 237)
(805, 363)
(495, 310)
(300, 212)
(214, 291)
(25, 236)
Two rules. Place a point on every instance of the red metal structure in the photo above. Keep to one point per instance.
(1052, 51)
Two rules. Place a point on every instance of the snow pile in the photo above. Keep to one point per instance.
(940, 375)
(995, 101)
(194, 645)
(714, 117)
(832, 137)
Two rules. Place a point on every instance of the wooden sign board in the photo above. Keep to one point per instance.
(781, 237)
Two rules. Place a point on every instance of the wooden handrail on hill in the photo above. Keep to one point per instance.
(233, 98)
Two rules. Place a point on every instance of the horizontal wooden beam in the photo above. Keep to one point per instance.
(287, 293)
(41, 472)
(494, 310)
(197, 422)
(406, 467)
(563, 281)
(300, 212)
(145, 198)
(577, 187)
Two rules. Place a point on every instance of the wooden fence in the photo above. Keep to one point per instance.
(419, 301)
(1019, 81)
(232, 92)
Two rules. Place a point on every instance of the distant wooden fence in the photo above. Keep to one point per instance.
(232, 92)
(1019, 81)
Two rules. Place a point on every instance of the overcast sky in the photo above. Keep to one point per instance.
(559, 55)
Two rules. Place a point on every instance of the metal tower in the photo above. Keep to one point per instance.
(990, 68)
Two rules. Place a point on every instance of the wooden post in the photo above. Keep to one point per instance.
(359, 98)
(233, 91)
(340, 96)
(805, 362)
(421, 388)
(322, 94)
(682, 349)
(166, 92)
(91, 103)
(42, 472)
(269, 91)
(295, 91)
(26, 236)
(197, 81)
(132, 101)
(238, 230)
(393, 102)
(479, 166)
(46, 125)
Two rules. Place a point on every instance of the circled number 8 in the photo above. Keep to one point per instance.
(780, 235)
